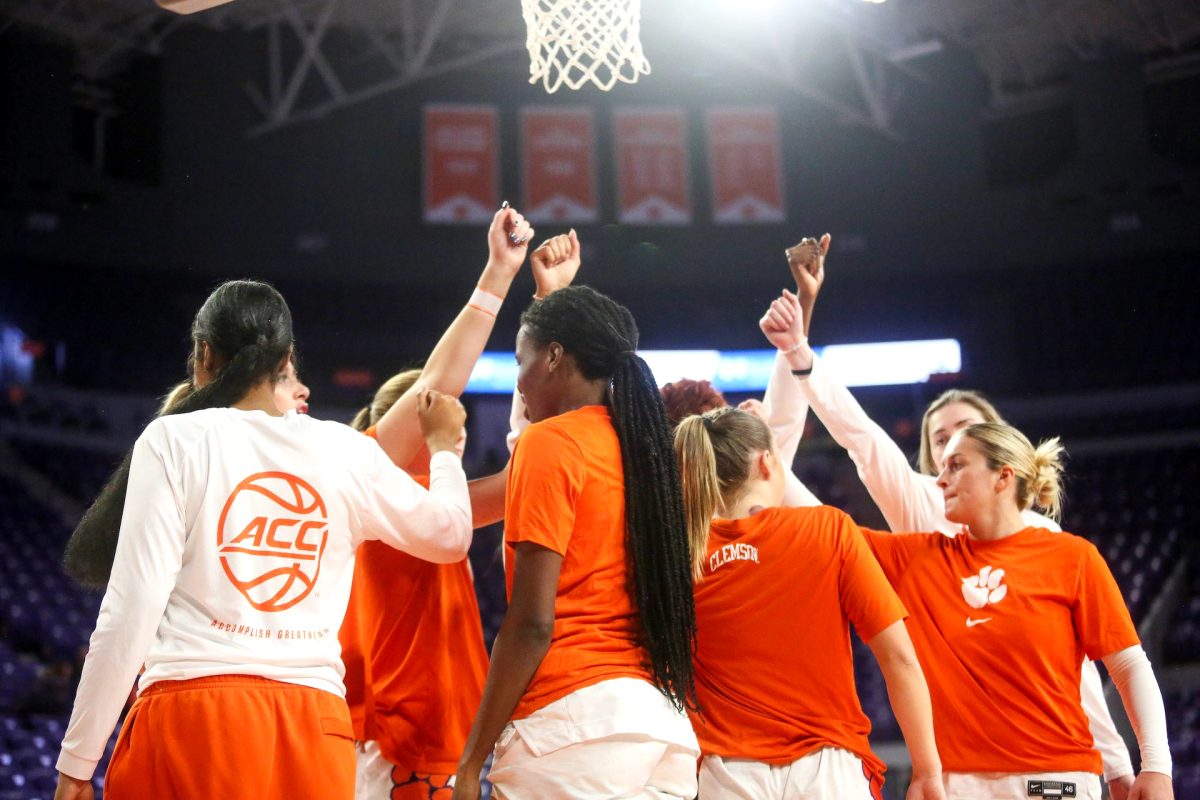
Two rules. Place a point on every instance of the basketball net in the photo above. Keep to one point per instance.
(574, 42)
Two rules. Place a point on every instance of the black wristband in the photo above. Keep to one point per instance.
(802, 373)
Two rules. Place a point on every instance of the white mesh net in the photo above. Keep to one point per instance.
(574, 42)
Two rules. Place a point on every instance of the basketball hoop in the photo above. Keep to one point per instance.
(574, 42)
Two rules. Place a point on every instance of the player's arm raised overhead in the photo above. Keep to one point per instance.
(450, 364)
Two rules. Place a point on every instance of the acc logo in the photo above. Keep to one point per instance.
(271, 537)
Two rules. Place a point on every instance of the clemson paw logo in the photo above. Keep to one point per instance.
(986, 588)
(270, 538)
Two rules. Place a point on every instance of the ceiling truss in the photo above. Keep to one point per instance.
(324, 55)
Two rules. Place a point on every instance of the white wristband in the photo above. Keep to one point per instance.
(485, 301)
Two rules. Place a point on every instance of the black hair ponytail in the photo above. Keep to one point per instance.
(602, 337)
(246, 322)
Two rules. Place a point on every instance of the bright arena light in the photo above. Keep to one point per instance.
(873, 364)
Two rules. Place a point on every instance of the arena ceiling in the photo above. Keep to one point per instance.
(853, 58)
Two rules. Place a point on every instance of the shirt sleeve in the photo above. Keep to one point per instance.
(795, 493)
(432, 525)
(870, 602)
(895, 551)
(1102, 620)
(547, 476)
(148, 559)
(908, 500)
(787, 409)
(1113, 752)
(1035, 520)
(1133, 676)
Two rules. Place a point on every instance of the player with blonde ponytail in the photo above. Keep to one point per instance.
(775, 591)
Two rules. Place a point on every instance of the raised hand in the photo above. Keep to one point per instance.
(555, 263)
(442, 419)
(783, 324)
(754, 407)
(508, 241)
(806, 261)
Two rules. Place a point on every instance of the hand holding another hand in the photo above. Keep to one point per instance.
(806, 261)
(442, 419)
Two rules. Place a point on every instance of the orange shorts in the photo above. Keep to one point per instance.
(236, 737)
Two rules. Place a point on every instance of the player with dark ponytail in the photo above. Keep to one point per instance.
(89, 552)
(91, 548)
(601, 621)
(232, 568)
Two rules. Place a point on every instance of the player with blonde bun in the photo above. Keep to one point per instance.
(1002, 617)
(909, 499)
(232, 574)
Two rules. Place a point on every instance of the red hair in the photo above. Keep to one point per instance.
(686, 397)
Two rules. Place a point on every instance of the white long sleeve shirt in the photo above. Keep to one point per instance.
(787, 407)
(236, 552)
(912, 501)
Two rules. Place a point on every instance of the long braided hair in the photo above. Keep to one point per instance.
(249, 326)
(602, 337)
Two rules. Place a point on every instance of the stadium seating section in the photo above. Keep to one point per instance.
(1133, 505)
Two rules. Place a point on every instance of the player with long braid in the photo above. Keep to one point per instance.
(592, 667)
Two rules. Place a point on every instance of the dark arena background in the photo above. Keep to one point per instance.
(1020, 177)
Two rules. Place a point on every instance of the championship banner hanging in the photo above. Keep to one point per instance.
(653, 185)
(558, 167)
(745, 165)
(461, 163)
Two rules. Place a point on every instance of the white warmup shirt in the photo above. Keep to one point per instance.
(787, 407)
(236, 553)
(912, 501)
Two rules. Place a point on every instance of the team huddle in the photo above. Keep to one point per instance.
(296, 596)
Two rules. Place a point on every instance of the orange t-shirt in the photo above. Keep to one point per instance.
(774, 669)
(1001, 629)
(566, 492)
(412, 642)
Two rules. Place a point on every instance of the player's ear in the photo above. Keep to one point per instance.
(554, 355)
(766, 464)
(1005, 477)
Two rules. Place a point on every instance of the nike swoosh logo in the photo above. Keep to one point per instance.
(971, 623)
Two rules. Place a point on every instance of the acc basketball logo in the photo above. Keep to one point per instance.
(271, 537)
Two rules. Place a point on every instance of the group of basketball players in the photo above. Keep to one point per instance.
(679, 603)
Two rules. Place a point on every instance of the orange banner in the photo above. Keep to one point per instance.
(653, 184)
(461, 164)
(745, 164)
(558, 164)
